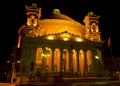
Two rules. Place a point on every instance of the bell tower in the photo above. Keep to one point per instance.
(33, 15)
(91, 25)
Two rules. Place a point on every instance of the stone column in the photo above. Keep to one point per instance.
(61, 60)
(85, 67)
(78, 66)
(52, 62)
(43, 62)
(33, 57)
(70, 61)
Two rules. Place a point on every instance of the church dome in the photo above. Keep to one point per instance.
(59, 23)
(57, 15)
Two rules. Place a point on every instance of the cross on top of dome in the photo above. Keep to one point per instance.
(90, 13)
(56, 11)
(34, 4)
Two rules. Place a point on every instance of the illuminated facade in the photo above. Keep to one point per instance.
(60, 45)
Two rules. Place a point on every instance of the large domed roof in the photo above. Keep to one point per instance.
(57, 15)
(58, 23)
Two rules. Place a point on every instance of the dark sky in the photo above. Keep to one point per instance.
(13, 16)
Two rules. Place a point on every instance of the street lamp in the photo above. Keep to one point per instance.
(97, 57)
(44, 55)
(13, 72)
(13, 69)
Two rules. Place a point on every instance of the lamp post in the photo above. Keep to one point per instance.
(44, 55)
(13, 72)
(13, 55)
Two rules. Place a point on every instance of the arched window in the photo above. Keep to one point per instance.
(57, 60)
(65, 60)
(81, 62)
(74, 61)
(89, 60)
(39, 56)
(48, 59)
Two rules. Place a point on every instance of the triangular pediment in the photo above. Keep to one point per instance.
(65, 36)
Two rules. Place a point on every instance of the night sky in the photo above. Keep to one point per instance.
(13, 16)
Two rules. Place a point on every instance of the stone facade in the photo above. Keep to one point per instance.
(60, 45)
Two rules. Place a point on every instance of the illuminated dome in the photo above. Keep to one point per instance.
(49, 46)
(59, 23)
(57, 15)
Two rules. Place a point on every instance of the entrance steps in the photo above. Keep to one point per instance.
(60, 80)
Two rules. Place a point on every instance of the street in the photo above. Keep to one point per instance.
(97, 83)
(71, 82)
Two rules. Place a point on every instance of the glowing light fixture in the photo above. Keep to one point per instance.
(45, 55)
(28, 24)
(50, 37)
(79, 39)
(65, 38)
(35, 24)
(18, 61)
(96, 57)
(48, 55)
(8, 61)
(46, 48)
